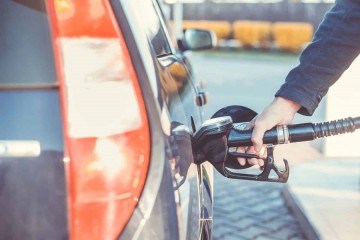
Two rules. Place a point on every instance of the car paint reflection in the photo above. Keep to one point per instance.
(191, 183)
(181, 149)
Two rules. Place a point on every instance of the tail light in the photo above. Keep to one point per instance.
(105, 121)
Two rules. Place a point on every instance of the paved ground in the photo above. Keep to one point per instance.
(244, 209)
(327, 190)
(257, 210)
(252, 210)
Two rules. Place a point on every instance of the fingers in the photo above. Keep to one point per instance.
(262, 154)
(251, 150)
(241, 161)
(261, 163)
(257, 136)
(252, 161)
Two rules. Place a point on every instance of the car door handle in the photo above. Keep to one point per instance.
(202, 98)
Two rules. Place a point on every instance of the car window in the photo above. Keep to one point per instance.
(164, 12)
(156, 31)
(25, 44)
(153, 26)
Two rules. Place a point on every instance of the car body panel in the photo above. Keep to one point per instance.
(177, 92)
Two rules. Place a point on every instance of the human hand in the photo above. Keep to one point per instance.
(280, 111)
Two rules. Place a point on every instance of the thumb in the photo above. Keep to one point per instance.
(257, 137)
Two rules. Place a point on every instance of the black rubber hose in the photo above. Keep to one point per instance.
(332, 128)
(357, 122)
(296, 132)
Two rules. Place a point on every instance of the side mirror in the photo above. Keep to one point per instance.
(196, 39)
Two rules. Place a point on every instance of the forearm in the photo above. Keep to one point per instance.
(335, 45)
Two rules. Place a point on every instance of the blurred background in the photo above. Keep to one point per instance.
(259, 42)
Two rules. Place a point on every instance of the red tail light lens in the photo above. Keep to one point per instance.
(106, 127)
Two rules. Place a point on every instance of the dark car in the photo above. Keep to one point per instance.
(98, 106)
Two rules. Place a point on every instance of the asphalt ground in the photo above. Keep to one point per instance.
(248, 209)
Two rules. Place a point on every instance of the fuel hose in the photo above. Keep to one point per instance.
(283, 134)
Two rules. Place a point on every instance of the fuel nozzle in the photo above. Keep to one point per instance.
(214, 140)
(211, 144)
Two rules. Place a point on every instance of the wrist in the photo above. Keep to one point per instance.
(287, 104)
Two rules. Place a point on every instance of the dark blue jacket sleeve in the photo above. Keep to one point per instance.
(335, 45)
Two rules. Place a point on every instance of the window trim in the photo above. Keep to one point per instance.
(164, 28)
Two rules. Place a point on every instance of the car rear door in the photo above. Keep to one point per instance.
(180, 116)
